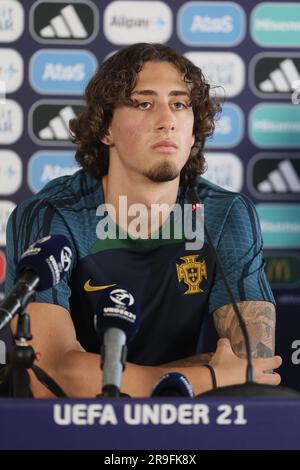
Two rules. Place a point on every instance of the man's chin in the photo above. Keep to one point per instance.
(162, 173)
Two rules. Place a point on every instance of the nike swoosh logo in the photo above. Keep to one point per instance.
(88, 288)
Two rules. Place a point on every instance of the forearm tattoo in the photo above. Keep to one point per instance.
(259, 317)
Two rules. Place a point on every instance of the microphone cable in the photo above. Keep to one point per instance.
(193, 198)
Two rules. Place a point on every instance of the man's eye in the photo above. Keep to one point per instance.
(143, 105)
(179, 105)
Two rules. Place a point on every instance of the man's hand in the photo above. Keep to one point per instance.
(230, 369)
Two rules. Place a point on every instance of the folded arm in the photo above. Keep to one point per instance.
(259, 317)
(78, 372)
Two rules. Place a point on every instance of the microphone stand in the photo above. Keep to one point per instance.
(112, 390)
(22, 358)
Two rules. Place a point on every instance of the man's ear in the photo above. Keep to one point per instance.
(107, 139)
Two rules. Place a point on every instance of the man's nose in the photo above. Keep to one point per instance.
(165, 118)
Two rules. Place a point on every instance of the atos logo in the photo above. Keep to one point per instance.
(229, 128)
(64, 22)
(49, 121)
(220, 24)
(63, 71)
(2, 267)
(45, 166)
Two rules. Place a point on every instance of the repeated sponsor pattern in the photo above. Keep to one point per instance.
(50, 49)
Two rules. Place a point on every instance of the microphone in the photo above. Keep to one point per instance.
(250, 387)
(172, 384)
(40, 267)
(116, 322)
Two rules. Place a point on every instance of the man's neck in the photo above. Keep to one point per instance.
(147, 192)
(141, 191)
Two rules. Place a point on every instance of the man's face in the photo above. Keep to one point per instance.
(154, 136)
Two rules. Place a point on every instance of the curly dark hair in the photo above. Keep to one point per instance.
(112, 86)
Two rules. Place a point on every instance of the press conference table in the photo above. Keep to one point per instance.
(156, 423)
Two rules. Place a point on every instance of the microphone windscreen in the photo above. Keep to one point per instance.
(117, 308)
(50, 258)
(173, 384)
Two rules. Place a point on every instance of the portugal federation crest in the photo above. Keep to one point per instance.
(192, 272)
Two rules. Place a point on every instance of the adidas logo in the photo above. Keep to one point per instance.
(58, 127)
(274, 74)
(67, 24)
(64, 21)
(282, 78)
(275, 177)
(282, 180)
(49, 121)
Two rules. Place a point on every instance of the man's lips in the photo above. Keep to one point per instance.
(165, 146)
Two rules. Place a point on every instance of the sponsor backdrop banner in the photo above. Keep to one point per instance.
(50, 49)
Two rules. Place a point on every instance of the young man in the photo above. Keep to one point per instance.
(141, 135)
